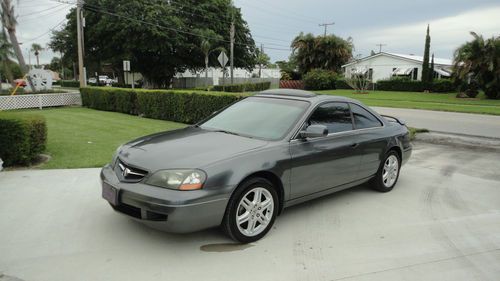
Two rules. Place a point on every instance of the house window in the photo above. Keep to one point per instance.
(370, 74)
(415, 73)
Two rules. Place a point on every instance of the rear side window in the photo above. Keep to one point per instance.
(364, 119)
(336, 116)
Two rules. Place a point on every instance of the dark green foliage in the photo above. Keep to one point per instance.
(240, 88)
(425, 63)
(318, 79)
(158, 37)
(478, 61)
(407, 85)
(321, 52)
(23, 138)
(69, 83)
(340, 83)
(431, 70)
(178, 106)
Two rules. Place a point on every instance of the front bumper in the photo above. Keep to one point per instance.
(165, 209)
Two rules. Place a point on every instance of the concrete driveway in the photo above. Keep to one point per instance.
(447, 122)
(442, 222)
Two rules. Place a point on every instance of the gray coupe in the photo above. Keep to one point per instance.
(243, 165)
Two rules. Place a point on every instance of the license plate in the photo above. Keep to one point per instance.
(110, 193)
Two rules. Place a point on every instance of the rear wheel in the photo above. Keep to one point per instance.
(388, 173)
(251, 211)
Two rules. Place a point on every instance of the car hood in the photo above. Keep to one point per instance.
(191, 147)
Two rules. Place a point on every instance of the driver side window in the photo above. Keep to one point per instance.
(336, 116)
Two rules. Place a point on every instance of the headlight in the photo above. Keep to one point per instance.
(178, 179)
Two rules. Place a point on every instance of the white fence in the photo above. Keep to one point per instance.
(39, 100)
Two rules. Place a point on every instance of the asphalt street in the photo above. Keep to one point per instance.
(447, 122)
(441, 222)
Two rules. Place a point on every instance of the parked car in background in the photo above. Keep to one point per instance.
(103, 79)
(93, 80)
(21, 82)
(243, 165)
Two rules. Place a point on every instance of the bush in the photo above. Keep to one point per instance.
(23, 138)
(341, 83)
(70, 83)
(407, 85)
(178, 106)
(240, 88)
(319, 79)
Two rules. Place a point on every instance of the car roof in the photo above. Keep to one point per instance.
(302, 95)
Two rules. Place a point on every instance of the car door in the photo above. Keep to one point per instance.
(371, 140)
(325, 162)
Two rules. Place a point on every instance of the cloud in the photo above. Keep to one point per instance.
(447, 33)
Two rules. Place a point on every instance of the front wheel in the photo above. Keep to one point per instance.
(388, 173)
(251, 211)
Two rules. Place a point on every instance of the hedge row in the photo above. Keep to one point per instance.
(68, 83)
(178, 106)
(404, 85)
(240, 88)
(23, 138)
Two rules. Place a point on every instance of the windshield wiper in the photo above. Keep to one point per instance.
(226, 132)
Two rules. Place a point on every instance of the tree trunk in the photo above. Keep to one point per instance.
(37, 61)
(11, 29)
(206, 71)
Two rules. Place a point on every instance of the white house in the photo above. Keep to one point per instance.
(383, 66)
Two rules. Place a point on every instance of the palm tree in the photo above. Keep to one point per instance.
(9, 22)
(322, 52)
(207, 46)
(478, 61)
(5, 55)
(36, 49)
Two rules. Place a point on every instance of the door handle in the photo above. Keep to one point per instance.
(354, 145)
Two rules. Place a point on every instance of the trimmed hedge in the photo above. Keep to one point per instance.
(178, 106)
(405, 85)
(69, 83)
(23, 138)
(240, 88)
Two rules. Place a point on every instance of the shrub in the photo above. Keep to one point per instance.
(407, 85)
(70, 83)
(341, 83)
(246, 87)
(23, 138)
(319, 79)
(443, 86)
(178, 106)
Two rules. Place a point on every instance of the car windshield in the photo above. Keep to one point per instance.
(258, 117)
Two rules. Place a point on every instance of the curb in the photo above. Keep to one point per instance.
(459, 140)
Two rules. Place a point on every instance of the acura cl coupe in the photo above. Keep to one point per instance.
(243, 165)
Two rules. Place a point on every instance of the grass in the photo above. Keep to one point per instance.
(81, 137)
(415, 131)
(429, 101)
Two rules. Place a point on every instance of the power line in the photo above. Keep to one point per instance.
(326, 26)
(45, 33)
(41, 11)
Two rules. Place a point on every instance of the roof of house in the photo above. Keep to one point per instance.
(437, 61)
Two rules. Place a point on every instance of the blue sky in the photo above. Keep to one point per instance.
(400, 24)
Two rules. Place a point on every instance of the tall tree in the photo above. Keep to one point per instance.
(425, 63)
(157, 36)
(431, 70)
(9, 22)
(5, 55)
(36, 49)
(478, 62)
(322, 52)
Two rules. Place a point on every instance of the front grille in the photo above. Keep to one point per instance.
(128, 173)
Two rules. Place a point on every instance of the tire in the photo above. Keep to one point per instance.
(256, 215)
(388, 173)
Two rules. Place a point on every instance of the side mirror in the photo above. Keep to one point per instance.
(314, 131)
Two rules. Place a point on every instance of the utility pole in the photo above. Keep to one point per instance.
(79, 26)
(232, 48)
(260, 61)
(380, 47)
(326, 26)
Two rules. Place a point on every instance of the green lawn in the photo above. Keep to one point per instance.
(81, 137)
(431, 101)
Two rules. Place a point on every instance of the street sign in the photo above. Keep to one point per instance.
(126, 65)
(222, 58)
